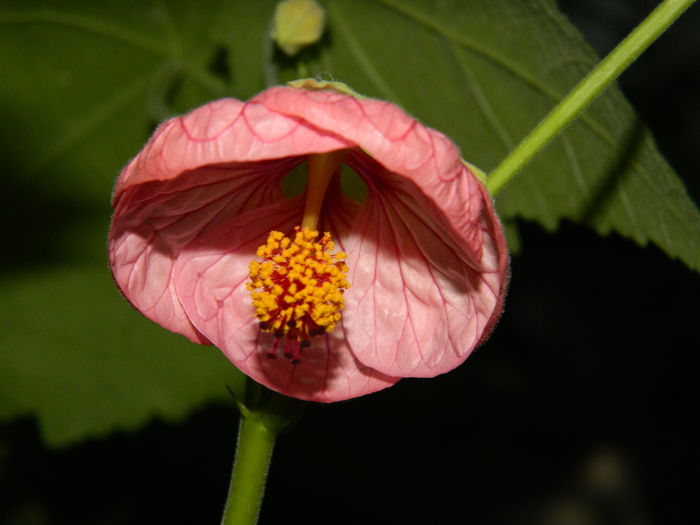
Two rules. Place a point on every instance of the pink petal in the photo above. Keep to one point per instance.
(221, 132)
(419, 301)
(210, 276)
(426, 251)
(427, 255)
(196, 170)
(153, 221)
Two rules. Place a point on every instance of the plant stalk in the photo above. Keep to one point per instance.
(255, 444)
(586, 91)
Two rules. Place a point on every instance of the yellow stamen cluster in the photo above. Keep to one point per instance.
(297, 289)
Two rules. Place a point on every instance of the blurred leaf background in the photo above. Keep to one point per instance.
(579, 406)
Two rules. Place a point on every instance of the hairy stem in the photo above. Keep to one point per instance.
(255, 444)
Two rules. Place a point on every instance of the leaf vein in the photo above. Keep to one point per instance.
(361, 57)
(88, 125)
(84, 23)
(484, 105)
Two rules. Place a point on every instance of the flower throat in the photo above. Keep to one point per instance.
(297, 289)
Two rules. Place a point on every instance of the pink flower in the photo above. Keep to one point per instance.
(426, 257)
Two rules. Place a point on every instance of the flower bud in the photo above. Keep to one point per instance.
(297, 23)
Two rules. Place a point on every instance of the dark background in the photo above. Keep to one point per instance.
(578, 410)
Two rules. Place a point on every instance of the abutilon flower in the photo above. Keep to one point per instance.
(316, 296)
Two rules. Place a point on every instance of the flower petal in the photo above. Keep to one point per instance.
(427, 255)
(210, 276)
(399, 142)
(153, 221)
(215, 162)
(426, 251)
(221, 132)
(419, 303)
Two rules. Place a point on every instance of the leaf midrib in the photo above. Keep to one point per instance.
(91, 25)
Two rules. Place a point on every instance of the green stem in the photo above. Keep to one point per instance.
(264, 414)
(255, 444)
(587, 90)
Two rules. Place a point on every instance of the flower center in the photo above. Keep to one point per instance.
(297, 289)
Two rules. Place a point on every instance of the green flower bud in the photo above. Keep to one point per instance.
(297, 23)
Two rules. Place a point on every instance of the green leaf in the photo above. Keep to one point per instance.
(485, 73)
(85, 363)
(84, 83)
